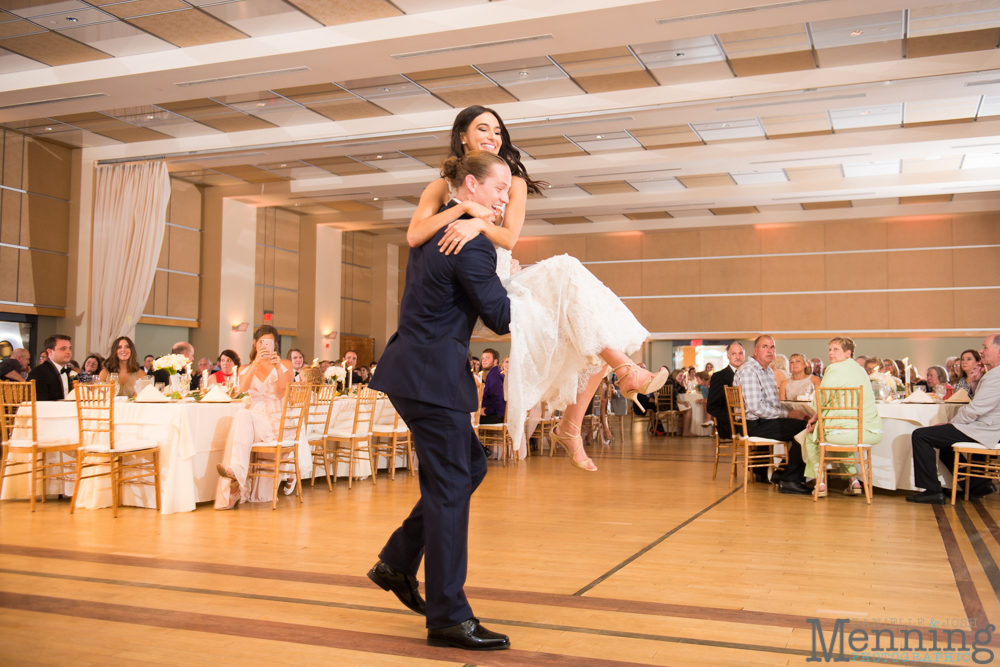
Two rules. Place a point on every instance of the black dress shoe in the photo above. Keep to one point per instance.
(404, 586)
(927, 498)
(760, 476)
(793, 488)
(980, 491)
(469, 635)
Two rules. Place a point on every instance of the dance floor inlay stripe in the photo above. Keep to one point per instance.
(963, 580)
(651, 545)
(982, 551)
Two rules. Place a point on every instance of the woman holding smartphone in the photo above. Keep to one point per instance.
(265, 379)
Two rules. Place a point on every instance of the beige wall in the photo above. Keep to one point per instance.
(276, 281)
(356, 284)
(174, 298)
(34, 225)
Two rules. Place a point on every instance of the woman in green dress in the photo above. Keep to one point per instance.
(843, 371)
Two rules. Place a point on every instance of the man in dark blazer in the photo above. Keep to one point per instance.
(52, 376)
(716, 405)
(426, 374)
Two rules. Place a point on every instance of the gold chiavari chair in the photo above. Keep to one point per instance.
(543, 430)
(317, 424)
(843, 404)
(616, 419)
(757, 452)
(985, 466)
(591, 425)
(101, 446)
(666, 412)
(346, 442)
(498, 435)
(391, 441)
(19, 418)
(268, 460)
(724, 447)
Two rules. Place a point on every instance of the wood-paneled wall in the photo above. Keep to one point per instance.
(277, 269)
(174, 296)
(904, 276)
(356, 284)
(34, 224)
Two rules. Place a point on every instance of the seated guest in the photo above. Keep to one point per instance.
(42, 358)
(970, 371)
(873, 365)
(937, 376)
(75, 365)
(298, 362)
(228, 361)
(678, 380)
(817, 366)
(801, 383)
(781, 368)
(703, 378)
(363, 374)
(147, 365)
(15, 367)
(843, 372)
(505, 365)
(124, 362)
(265, 379)
(323, 365)
(951, 365)
(476, 366)
(716, 405)
(205, 366)
(371, 368)
(494, 404)
(185, 349)
(766, 418)
(979, 421)
(351, 361)
(92, 366)
(310, 375)
(710, 368)
(889, 366)
(861, 361)
(52, 376)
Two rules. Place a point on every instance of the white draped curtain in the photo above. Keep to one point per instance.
(129, 216)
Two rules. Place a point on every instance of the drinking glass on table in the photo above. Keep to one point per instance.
(940, 390)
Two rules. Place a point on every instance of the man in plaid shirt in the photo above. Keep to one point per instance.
(766, 418)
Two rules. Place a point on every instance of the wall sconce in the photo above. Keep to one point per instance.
(330, 336)
(241, 327)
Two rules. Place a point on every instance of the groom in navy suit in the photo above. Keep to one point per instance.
(425, 372)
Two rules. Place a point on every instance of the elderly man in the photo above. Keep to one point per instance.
(185, 349)
(52, 377)
(716, 405)
(979, 421)
(14, 367)
(766, 418)
(861, 361)
(204, 365)
(817, 366)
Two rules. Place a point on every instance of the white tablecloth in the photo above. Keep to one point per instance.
(192, 438)
(698, 415)
(343, 419)
(892, 459)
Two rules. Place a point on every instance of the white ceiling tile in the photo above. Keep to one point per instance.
(857, 30)
(395, 94)
(953, 17)
(11, 62)
(872, 168)
(657, 185)
(606, 142)
(564, 191)
(295, 170)
(877, 116)
(118, 39)
(73, 19)
(532, 78)
(990, 106)
(418, 6)
(727, 130)
(981, 161)
(689, 212)
(678, 52)
(758, 177)
(259, 18)
(394, 161)
(29, 8)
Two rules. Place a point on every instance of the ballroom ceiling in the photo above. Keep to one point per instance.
(639, 115)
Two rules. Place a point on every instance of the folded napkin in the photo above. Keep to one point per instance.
(216, 395)
(960, 396)
(920, 396)
(805, 398)
(151, 395)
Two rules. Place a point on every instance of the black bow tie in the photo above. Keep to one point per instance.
(65, 371)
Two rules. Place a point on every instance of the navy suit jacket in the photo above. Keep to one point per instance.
(427, 359)
(716, 404)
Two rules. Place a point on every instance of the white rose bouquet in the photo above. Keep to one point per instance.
(336, 372)
(171, 363)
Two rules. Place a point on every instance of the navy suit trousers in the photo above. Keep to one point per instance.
(452, 464)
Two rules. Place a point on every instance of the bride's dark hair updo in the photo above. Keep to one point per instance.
(477, 163)
(507, 151)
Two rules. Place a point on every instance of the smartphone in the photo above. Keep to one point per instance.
(267, 344)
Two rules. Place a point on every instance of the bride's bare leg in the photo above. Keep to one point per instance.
(574, 413)
(616, 358)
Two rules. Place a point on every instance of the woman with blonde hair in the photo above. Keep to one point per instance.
(801, 383)
(780, 367)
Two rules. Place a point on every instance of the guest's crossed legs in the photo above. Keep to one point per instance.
(925, 441)
(452, 465)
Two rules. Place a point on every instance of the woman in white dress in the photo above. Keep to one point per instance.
(566, 327)
(265, 379)
(801, 383)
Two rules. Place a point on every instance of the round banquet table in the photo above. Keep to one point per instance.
(892, 459)
(698, 415)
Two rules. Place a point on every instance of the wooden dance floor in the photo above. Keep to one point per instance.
(646, 562)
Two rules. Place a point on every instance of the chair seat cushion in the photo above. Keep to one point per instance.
(829, 444)
(346, 434)
(272, 444)
(24, 443)
(973, 445)
(122, 446)
(765, 441)
(388, 430)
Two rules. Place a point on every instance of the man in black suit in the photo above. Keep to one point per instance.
(351, 361)
(426, 374)
(52, 377)
(716, 405)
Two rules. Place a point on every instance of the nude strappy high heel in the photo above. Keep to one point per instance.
(562, 439)
(648, 387)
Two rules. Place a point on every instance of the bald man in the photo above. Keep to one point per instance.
(14, 368)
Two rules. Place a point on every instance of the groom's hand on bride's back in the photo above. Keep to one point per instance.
(460, 232)
(515, 266)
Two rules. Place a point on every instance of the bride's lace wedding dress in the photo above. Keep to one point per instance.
(561, 317)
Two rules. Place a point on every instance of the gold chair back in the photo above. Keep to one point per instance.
(846, 402)
(95, 413)
(320, 410)
(364, 411)
(14, 397)
(294, 410)
(737, 412)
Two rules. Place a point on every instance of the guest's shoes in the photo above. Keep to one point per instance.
(564, 440)
(980, 491)
(927, 498)
(288, 487)
(234, 487)
(471, 636)
(760, 476)
(794, 488)
(853, 490)
(403, 586)
(820, 490)
(651, 385)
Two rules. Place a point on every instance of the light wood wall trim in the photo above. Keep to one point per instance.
(288, 332)
(164, 322)
(33, 310)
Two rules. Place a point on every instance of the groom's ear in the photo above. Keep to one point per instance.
(471, 183)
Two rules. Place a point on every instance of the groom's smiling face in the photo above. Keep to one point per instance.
(492, 192)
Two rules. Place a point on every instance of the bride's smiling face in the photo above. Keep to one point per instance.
(483, 134)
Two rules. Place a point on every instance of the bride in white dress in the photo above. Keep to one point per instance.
(566, 326)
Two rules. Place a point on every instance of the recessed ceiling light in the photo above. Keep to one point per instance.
(264, 104)
(679, 55)
(522, 74)
(48, 128)
(857, 33)
(376, 199)
(725, 125)
(600, 136)
(865, 112)
(149, 117)
(385, 90)
(72, 19)
(284, 165)
(378, 157)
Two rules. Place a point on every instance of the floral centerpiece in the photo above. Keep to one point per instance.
(335, 375)
(885, 385)
(174, 364)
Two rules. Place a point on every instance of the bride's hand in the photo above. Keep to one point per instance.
(515, 266)
(460, 232)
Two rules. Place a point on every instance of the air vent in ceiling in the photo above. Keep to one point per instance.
(54, 100)
(469, 47)
(240, 77)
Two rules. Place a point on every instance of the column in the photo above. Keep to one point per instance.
(320, 249)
